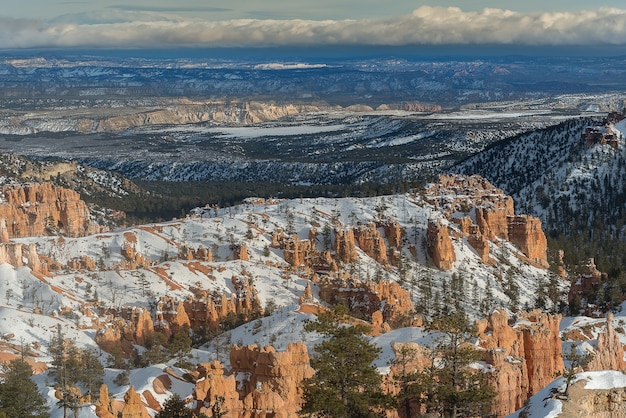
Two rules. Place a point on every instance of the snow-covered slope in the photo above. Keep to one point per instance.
(35, 303)
(554, 175)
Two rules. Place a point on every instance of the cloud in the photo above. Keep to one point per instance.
(160, 9)
(424, 26)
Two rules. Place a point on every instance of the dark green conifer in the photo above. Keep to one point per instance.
(345, 384)
(19, 396)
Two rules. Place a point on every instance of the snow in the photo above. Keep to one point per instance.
(542, 405)
(274, 131)
(609, 379)
(218, 229)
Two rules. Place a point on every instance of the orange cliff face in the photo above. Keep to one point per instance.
(485, 213)
(368, 297)
(439, 245)
(42, 209)
(526, 233)
(525, 358)
(274, 378)
(609, 353)
(17, 255)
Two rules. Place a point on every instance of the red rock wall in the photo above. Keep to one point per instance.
(274, 383)
(371, 242)
(439, 245)
(494, 215)
(526, 358)
(42, 209)
(15, 254)
(526, 233)
(345, 250)
(609, 353)
(211, 385)
(366, 298)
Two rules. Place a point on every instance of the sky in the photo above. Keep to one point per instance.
(250, 23)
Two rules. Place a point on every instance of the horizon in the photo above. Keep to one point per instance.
(333, 53)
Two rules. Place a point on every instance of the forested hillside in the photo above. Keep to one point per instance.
(575, 186)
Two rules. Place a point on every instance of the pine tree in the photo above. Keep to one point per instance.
(179, 346)
(174, 407)
(575, 362)
(460, 390)
(345, 384)
(91, 372)
(412, 383)
(19, 396)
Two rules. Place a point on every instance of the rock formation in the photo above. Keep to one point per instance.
(303, 253)
(43, 209)
(525, 357)
(240, 251)
(103, 405)
(133, 407)
(366, 298)
(585, 403)
(371, 242)
(467, 199)
(4, 231)
(609, 352)
(83, 262)
(170, 316)
(18, 255)
(134, 325)
(212, 387)
(345, 250)
(245, 112)
(132, 258)
(130, 325)
(439, 245)
(526, 233)
(587, 280)
(273, 382)
(393, 232)
(478, 242)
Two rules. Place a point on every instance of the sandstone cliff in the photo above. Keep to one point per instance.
(134, 325)
(485, 213)
(19, 255)
(304, 253)
(585, 400)
(127, 326)
(609, 351)
(525, 357)
(213, 387)
(439, 245)
(526, 233)
(367, 297)
(239, 113)
(42, 209)
(591, 403)
(372, 242)
(274, 378)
